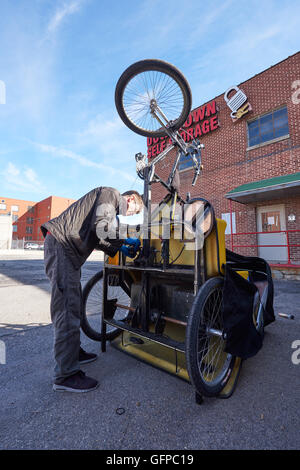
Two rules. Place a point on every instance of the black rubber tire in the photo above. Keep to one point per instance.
(85, 325)
(165, 68)
(208, 296)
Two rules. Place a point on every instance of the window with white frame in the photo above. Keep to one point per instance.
(229, 219)
(268, 127)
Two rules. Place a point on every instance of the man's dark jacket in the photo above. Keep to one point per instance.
(76, 228)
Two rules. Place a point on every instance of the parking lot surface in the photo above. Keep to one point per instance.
(160, 412)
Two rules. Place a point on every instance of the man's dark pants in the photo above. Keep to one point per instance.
(65, 308)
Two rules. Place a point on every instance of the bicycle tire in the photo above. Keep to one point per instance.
(259, 324)
(96, 298)
(203, 364)
(166, 69)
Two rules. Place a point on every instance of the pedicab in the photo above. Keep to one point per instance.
(184, 304)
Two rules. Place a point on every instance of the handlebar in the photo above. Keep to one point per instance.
(197, 173)
(193, 149)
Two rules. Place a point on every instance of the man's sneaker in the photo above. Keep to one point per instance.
(85, 357)
(78, 383)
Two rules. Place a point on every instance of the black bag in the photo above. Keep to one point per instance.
(242, 338)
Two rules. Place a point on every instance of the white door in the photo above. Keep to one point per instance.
(271, 219)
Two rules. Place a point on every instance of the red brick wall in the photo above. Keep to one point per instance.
(43, 212)
(48, 209)
(59, 204)
(228, 163)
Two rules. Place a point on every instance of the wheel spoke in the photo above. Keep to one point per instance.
(93, 306)
(212, 359)
(143, 88)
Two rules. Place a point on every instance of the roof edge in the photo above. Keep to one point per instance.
(297, 175)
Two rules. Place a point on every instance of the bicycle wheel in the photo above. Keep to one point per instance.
(92, 308)
(148, 83)
(209, 366)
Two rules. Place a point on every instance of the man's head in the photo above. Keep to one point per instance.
(134, 202)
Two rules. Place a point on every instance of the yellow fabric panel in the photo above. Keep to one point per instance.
(187, 257)
(211, 250)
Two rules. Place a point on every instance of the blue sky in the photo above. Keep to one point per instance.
(60, 60)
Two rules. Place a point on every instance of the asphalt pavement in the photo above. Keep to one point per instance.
(160, 412)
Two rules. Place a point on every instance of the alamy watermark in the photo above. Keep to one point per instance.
(165, 222)
(296, 354)
(2, 92)
(296, 94)
(2, 352)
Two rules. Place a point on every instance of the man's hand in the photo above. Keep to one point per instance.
(129, 251)
(134, 242)
(130, 247)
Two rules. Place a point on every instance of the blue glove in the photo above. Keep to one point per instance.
(128, 251)
(135, 242)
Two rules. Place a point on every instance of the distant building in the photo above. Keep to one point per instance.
(5, 232)
(26, 217)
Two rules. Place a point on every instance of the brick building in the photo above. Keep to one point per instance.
(28, 216)
(251, 162)
(15, 209)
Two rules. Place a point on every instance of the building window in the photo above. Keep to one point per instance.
(28, 229)
(14, 208)
(28, 238)
(185, 162)
(29, 220)
(15, 218)
(30, 209)
(228, 220)
(15, 228)
(268, 127)
(2, 207)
